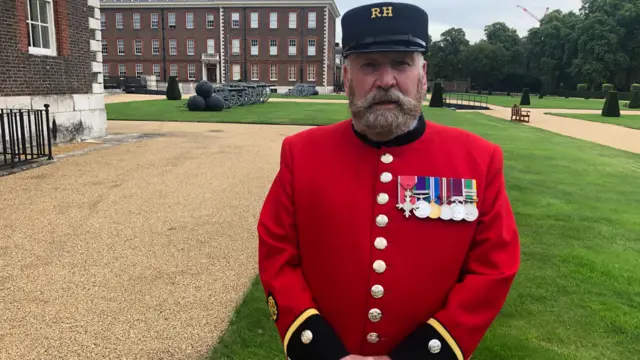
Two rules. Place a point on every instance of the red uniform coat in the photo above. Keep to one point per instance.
(342, 279)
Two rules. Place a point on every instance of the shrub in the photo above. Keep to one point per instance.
(173, 90)
(490, 92)
(634, 87)
(524, 99)
(634, 103)
(611, 106)
(582, 87)
(479, 92)
(436, 97)
(508, 93)
(607, 87)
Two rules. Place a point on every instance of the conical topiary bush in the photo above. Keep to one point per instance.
(611, 106)
(525, 99)
(436, 96)
(173, 90)
(634, 103)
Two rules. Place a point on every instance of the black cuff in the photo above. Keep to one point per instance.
(323, 342)
(425, 342)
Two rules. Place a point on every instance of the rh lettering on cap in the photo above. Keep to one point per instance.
(386, 11)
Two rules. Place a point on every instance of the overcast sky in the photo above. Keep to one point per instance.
(473, 15)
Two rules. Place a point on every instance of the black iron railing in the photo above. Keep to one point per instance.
(26, 135)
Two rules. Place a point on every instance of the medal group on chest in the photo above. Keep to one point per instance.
(438, 197)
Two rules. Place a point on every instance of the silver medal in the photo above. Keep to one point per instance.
(445, 212)
(457, 210)
(471, 212)
(422, 210)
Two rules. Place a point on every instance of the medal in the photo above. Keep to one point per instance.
(406, 201)
(457, 209)
(421, 190)
(423, 209)
(470, 197)
(445, 209)
(471, 212)
(434, 189)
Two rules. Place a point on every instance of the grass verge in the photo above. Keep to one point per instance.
(551, 102)
(630, 121)
(577, 295)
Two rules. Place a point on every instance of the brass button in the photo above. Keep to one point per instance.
(385, 177)
(382, 220)
(375, 315)
(377, 291)
(434, 346)
(383, 198)
(380, 243)
(306, 336)
(379, 266)
(373, 338)
(386, 158)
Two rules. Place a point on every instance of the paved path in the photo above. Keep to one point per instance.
(136, 251)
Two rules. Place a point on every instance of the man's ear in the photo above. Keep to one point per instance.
(345, 78)
(424, 74)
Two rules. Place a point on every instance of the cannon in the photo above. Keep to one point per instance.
(302, 90)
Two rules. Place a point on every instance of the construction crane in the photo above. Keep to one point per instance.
(531, 14)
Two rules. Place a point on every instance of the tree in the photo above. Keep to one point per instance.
(634, 103)
(611, 106)
(525, 99)
(173, 90)
(436, 96)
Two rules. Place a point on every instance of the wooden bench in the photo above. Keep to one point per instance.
(517, 114)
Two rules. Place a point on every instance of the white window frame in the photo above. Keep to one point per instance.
(105, 70)
(235, 72)
(173, 70)
(136, 21)
(273, 49)
(293, 50)
(311, 50)
(105, 47)
(210, 20)
(156, 70)
(135, 47)
(139, 70)
(103, 21)
(255, 20)
(293, 20)
(255, 72)
(312, 20)
(294, 72)
(189, 20)
(119, 21)
(255, 49)
(273, 74)
(191, 70)
(171, 20)
(191, 47)
(155, 20)
(120, 72)
(273, 20)
(155, 47)
(50, 28)
(311, 75)
(235, 20)
(173, 47)
(235, 46)
(211, 46)
(120, 46)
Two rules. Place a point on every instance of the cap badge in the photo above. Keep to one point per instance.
(387, 11)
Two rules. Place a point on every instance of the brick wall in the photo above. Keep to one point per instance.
(67, 73)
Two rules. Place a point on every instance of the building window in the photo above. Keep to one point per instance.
(312, 20)
(211, 46)
(119, 21)
(120, 47)
(273, 73)
(254, 47)
(105, 71)
(138, 46)
(293, 17)
(154, 20)
(156, 70)
(273, 47)
(273, 20)
(173, 47)
(104, 47)
(173, 70)
(292, 73)
(235, 20)
(191, 47)
(235, 47)
(211, 22)
(254, 20)
(190, 20)
(311, 49)
(138, 70)
(192, 71)
(42, 34)
(311, 73)
(122, 70)
(255, 72)
(172, 20)
(136, 21)
(155, 47)
(236, 71)
(292, 47)
(103, 21)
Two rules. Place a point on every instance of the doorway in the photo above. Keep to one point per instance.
(212, 73)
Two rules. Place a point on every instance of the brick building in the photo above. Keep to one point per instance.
(50, 54)
(277, 42)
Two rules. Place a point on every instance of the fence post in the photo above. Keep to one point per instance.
(46, 111)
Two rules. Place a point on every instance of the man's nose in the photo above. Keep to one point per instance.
(386, 78)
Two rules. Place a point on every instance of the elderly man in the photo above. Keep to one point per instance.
(386, 236)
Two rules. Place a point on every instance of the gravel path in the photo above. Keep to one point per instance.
(137, 251)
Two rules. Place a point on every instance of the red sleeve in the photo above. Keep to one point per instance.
(492, 262)
(304, 332)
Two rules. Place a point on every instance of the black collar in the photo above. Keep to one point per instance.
(404, 139)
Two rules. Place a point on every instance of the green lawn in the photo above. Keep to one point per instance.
(316, 97)
(577, 295)
(630, 121)
(550, 102)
